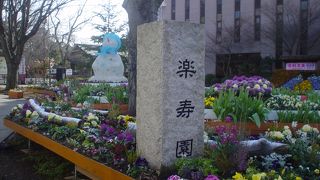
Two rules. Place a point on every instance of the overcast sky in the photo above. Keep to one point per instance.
(83, 36)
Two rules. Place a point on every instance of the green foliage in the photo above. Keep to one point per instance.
(49, 165)
(240, 107)
(114, 111)
(304, 115)
(82, 94)
(184, 166)
(210, 92)
(117, 94)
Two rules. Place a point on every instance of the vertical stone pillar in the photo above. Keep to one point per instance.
(170, 91)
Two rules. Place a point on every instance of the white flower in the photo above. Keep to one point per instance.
(28, 113)
(294, 124)
(94, 123)
(205, 137)
(58, 119)
(256, 86)
(20, 106)
(265, 86)
(306, 128)
(315, 130)
(235, 86)
(92, 117)
(51, 116)
(215, 89)
(34, 114)
(14, 109)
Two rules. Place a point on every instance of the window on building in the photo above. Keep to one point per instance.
(257, 4)
(187, 10)
(257, 29)
(237, 28)
(237, 5)
(257, 20)
(219, 6)
(304, 27)
(219, 36)
(219, 21)
(202, 11)
(173, 9)
(279, 28)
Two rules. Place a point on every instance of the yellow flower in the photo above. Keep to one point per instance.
(126, 118)
(258, 176)
(238, 176)
(209, 101)
(317, 171)
(303, 86)
(306, 128)
(298, 178)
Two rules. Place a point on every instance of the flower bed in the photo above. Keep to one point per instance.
(102, 138)
(94, 168)
(41, 91)
(252, 129)
(255, 85)
(15, 94)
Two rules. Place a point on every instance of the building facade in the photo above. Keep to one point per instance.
(244, 31)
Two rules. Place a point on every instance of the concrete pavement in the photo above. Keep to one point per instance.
(6, 105)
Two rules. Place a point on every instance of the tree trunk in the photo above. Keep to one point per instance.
(139, 12)
(12, 71)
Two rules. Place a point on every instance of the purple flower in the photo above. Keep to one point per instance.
(228, 119)
(121, 136)
(141, 162)
(103, 127)
(27, 106)
(110, 130)
(129, 137)
(212, 177)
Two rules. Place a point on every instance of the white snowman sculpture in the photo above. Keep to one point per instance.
(108, 66)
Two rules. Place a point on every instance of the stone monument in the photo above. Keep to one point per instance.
(170, 92)
(108, 66)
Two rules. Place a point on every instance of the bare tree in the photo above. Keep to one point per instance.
(38, 52)
(19, 21)
(223, 46)
(291, 27)
(64, 38)
(109, 16)
(139, 12)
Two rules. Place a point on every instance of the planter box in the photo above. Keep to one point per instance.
(41, 91)
(252, 129)
(89, 166)
(15, 94)
(107, 106)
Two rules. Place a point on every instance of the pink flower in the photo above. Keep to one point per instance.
(174, 177)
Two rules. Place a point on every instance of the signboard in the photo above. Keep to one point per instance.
(22, 66)
(53, 71)
(3, 66)
(311, 66)
(68, 72)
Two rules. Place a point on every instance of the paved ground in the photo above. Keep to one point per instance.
(6, 105)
